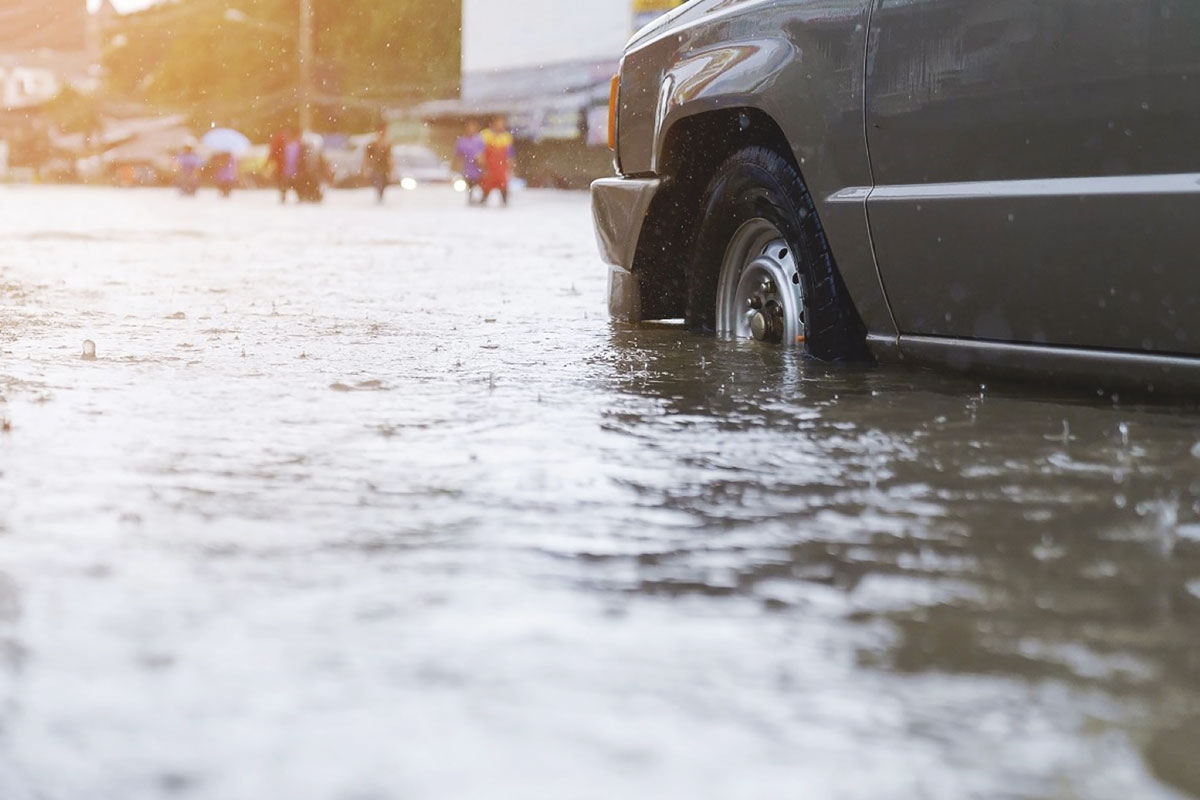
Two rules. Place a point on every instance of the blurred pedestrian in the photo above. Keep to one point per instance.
(497, 159)
(275, 160)
(377, 163)
(468, 155)
(226, 176)
(187, 168)
(312, 169)
(284, 158)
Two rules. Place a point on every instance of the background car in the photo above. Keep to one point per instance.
(414, 165)
(344, 155)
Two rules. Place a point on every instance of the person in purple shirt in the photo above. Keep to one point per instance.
(467, 152)
(284, 157)
(293, 151)
(188, 164)
(226, 173)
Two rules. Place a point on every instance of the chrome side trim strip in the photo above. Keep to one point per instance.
(851, 194)
(1117, 185)
(885, 348)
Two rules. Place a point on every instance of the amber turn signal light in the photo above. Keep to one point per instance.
(612, 112)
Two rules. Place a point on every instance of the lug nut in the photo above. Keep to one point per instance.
(754, 302)
(758, 326)
(767, 286)
(767, 325)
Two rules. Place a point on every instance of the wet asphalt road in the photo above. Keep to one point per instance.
(368, 503)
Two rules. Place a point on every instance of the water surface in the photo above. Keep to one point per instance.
(362, 502)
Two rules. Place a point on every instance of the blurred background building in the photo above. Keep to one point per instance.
(546, 65)
(47, 48)
(60, 25)
(82, 95)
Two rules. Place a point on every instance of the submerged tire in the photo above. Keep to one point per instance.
(757, 220)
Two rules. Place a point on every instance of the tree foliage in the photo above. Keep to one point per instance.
(240, 67)
(72, 111)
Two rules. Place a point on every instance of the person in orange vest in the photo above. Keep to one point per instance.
(497, 159)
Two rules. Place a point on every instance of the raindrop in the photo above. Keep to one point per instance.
(89, 350)
(1124, 429)
(1048, 550)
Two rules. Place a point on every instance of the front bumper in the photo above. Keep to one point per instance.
(619, 207)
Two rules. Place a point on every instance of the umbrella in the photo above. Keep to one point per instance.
(225, 140)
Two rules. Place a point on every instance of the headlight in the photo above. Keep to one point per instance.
(460, 185)
(408, 183)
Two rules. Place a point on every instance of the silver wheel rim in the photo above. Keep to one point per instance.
(760, 295)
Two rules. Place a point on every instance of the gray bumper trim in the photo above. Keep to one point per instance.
(619, 207)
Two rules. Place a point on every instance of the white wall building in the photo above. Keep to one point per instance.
(22, 87)
(544, 62)
(528, 33)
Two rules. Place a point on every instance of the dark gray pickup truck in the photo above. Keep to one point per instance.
(1008, 185)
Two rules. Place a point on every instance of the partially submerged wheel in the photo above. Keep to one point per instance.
(760, 294)
(761, 267)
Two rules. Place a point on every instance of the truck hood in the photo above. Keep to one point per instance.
(680, 16)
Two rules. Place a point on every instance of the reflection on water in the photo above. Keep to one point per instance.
(989, 532)
(10, 612)
(307, 528)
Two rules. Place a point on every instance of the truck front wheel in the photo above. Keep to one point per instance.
(761, 267)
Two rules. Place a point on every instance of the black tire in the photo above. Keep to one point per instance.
(756, 182)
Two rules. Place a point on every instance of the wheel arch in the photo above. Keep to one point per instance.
(692, 149)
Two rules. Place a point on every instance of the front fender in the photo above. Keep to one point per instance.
(728, 76)
(801, 63)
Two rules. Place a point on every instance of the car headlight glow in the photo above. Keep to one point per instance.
(460, 185)
(408, 184)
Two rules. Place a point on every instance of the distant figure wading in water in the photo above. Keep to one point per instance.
(497, 159)
(468, 151)
(377, 163)
(285, 158)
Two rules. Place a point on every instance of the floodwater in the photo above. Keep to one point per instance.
(366, 503)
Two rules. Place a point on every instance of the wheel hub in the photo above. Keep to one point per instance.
(760, 294)
(767, 325)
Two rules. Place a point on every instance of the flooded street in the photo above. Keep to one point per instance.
(363, 503)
